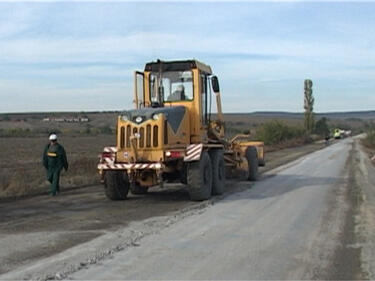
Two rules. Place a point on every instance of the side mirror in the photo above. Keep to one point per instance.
(215, 84)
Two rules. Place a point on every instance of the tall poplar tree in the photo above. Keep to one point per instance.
(309, 106)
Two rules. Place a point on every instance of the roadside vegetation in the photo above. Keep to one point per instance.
(369, 140)
(22, 139)
(277, 132)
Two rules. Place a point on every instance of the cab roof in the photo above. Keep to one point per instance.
(178, 65)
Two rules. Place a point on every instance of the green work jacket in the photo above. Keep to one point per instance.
(54, 157)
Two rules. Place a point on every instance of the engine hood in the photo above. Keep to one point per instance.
(173, 115)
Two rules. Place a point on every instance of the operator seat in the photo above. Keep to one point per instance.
(178, 94)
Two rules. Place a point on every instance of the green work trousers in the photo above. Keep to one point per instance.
(53, 176)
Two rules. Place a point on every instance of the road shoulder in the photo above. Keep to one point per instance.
(365, 220)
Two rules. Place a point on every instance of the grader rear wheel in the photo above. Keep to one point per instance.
(252, 160)
(199, 178)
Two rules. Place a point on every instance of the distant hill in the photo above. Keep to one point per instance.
(67, 121)
(285, 114)
(331, 115)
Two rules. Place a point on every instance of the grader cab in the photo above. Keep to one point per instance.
(171, 136)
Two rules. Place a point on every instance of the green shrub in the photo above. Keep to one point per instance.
(369, 141)
(6, 118)
(275, 132)
(321, 127)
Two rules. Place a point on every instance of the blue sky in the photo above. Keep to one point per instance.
(80, 56)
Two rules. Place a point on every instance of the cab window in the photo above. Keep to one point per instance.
(177, 86)
(204, 99)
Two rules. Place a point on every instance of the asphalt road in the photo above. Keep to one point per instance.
(297, 222)
(286, 227)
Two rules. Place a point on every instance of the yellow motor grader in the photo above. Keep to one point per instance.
(171, 136)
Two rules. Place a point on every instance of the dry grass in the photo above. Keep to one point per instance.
(295, 142)
(22, 173)
(369, 141)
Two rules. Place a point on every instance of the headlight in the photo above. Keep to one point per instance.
(138, 119)
(156, 117)
(137, 135)
(125, 118)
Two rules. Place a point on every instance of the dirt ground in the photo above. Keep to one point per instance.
(53, 225)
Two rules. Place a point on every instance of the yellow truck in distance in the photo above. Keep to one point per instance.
(171, 136)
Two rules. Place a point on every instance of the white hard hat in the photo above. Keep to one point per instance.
(52, 137)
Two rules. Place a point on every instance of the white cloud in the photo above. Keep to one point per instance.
(126, 48)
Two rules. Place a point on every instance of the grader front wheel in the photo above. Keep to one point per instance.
(116, 185)
(199, 178)
(218, 171)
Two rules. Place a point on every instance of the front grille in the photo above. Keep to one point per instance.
(122, 139)
(148, 135)
(165, 132)
(135, 130)
(127, 135)
(142, 137)
(155, 136)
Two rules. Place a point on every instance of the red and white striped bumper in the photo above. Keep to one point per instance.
(107, 162)
(133, 166)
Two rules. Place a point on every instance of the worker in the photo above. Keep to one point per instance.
(54, 160)
(178, 94)
(327, 139)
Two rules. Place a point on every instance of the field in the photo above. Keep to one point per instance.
(23, 137)
(99, 122)
(21, 170)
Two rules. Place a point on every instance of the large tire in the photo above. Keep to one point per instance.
(199, 178)
(136, 189)
(252, 161)
(218, 171)
(116, 185)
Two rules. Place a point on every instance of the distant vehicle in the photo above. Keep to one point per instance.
(348, 133)
(339, 134)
